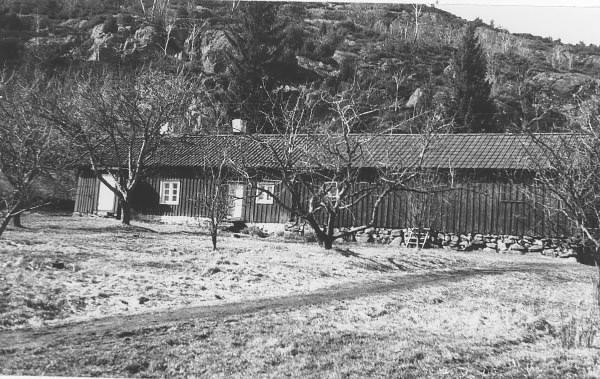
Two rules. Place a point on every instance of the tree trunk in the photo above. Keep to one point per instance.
(213, 236)
(597, 259)
(324, 241)
(17, 220)
(4, 224)
(125, 212)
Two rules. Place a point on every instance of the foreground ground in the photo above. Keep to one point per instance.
(86, 297)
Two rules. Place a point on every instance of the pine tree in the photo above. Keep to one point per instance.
(474, 110)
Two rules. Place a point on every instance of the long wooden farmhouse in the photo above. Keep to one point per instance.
(488, 181)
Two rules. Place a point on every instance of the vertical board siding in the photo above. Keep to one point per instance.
(86, 198)
(482, 207)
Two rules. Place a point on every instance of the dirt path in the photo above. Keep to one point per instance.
(121, 326)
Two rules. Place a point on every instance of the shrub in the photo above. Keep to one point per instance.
(323, 29)
(96, 20)
(254, 230)
(294, 37)
(182, 12)
(346, 26)
(11, 21)
(10, 49)
(326, 48)
(110, 25)
(579, 331)
(347, 68)
(124, 19)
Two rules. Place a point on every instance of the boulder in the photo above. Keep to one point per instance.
(320, 68)
(562, 83)
(147, 35)
(97, 32)
(70, 23)
(478, 242)
(415, 99)
(516, 247)
(214, 48)
(397, 241)
(592, 62)
(566, 253)
(339, 56)
(365, 238)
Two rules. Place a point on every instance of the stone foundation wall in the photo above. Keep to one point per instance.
(558, 246)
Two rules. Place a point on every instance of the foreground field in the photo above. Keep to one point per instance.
(86, 297)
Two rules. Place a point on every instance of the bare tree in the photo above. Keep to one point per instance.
(330, 171)
(29, 150)
(118, 121)
(417, 12)
(217, 201)
(568, 167)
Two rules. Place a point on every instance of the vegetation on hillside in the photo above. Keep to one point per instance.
(405, 57)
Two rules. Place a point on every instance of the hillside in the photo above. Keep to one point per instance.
(392, 63)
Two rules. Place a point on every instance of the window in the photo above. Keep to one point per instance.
(169, 192)
(263, 197)
(332, 191)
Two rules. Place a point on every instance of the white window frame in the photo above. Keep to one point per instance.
(263, 197)
(174, 194)
(332, 194)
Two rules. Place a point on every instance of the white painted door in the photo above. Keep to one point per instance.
(236, 193)
(106, 197)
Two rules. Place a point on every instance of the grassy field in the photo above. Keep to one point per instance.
(87, 297)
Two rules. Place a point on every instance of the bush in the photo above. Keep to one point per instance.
(11, 21)
(110, 25)
(96, 20)
(326, 48)
(10, 49)
(579, 332)
(346, 26)
(255, 231)
(347, 69)
(124, 19)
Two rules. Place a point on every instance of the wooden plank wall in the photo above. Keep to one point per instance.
(492, 207)
(86, 196)
(495, 208)
(267, 213)
(194, 191)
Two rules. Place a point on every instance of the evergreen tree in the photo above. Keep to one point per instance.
(263, 59)
(256, 38)
(474, 110)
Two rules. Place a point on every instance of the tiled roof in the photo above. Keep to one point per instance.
(459, 151)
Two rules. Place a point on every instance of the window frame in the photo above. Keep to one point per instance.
(333, 192)
(177, 194)
(268, 199)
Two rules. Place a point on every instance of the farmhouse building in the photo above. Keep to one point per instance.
(488, 183)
